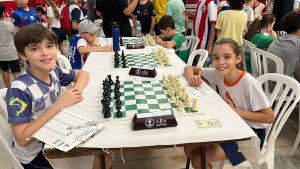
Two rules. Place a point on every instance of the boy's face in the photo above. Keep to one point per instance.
(22, 3)
(166, 33)
(41, 56)
(89, 37)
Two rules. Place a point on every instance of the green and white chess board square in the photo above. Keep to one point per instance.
(143, 97)
(141, 60)
(132, 40)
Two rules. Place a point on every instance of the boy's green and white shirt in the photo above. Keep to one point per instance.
(181, 48)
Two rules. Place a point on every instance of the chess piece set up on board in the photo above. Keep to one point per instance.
(107, 83)
(161, 56)
(178, 94)
(117, 60)
(149, 40)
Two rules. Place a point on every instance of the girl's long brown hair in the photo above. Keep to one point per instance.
(257, 24)
(54, 8)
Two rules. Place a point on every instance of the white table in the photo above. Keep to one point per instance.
(119, 134)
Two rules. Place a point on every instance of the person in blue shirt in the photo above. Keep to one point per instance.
(24, 15)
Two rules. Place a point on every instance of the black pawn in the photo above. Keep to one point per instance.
(121, 41)
(117, 80)
(119, 114)
(110, 80)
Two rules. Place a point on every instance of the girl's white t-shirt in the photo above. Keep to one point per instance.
(55, 21)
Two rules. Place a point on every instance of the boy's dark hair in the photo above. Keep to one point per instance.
(40, 9)
(291, 22)
(2, 9)
(257, 24)
(33, 34)
(236, 4)
(235, 47)
(166, 22)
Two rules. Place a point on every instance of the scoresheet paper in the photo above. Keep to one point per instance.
(66, 131)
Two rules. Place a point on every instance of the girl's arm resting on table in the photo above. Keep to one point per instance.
(191, 73)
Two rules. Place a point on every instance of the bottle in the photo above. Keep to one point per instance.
(116, 36)
(138, 29)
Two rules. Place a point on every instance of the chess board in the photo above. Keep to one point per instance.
(146, 60)
(132, 40)
(143, 97)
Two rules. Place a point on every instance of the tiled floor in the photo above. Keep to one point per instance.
(174, 158)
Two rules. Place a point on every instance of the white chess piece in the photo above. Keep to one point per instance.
(195, 107)
(167, 62)
(180, 107)
(187, 100)
(173, 99)
(177, 101)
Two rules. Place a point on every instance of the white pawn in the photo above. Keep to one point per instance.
(183, 96)
(195, 105)
(168, 63)
(177, 101)
(173, 99)
(164, 80)
(180, 107)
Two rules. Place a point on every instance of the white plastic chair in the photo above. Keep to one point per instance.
(6, 136)
(203, 56)
(247, 49)
(192, 42)
(262, 60)
(286, 94)
(63, 61)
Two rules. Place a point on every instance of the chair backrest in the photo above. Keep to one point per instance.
(63, 61)
(248, 53)
(265, 62)
(203, 54)
(287, 95)
(192, 42)
(6, 136)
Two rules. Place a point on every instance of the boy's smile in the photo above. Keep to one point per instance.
(41, 56)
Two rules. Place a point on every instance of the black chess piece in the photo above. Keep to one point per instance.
(110, 80)
(106, 113)
(121, 41)
(117, 80)
(119, 114)
(117, 54)
(123, 54)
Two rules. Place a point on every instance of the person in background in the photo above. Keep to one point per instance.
(223, 5)
(116, 11)
(91, 13)
(35, 97)
(24, 15)
(248, 8)
(287, 47)
(175, 8)
(53, 14)
(8, 53)
(242, 92)
(280, 9)
(173, 39)
(83, 43)
(145, 13)
(160, 8)
(233, 19)
(261, 32)
(76, 16)
(42, 14)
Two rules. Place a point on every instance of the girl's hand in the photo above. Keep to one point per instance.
(195, 80)
(273, 33)
(69, 97)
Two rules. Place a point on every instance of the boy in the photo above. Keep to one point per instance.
(76, 16)
(35, 97)
(145, 13)
(8, 53)
(175, 8)
(173, 39)
(24, 15)
(83, 43)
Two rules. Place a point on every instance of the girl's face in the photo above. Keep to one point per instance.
(224, 59)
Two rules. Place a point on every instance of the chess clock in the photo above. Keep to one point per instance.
(153, 120)
(135, 46)
(145, 72)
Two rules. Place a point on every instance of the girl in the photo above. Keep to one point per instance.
(53, 14)
(243, 94)
(261, 33)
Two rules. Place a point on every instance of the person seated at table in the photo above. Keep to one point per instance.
(34, 98)
(84, 43)
(241, 91)
(170, 38)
